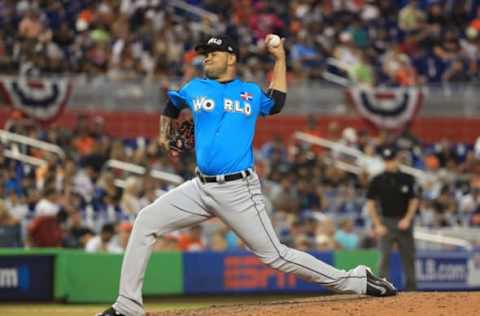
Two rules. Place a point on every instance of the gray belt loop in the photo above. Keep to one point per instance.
(221, 178)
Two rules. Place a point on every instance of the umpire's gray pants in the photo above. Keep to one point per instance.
(406, 247)
(239, 204)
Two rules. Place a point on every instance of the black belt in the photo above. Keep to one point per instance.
(224, 178)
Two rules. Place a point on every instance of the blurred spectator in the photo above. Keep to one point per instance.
(300, 186)
(106, 241)
(346, 52)
(130, 201)
(398, 67)
(31, 27)
(83, 182)
(410, 17)
(83, 142)
(284, 195)
(166, 243)
(76, 233)
(124, 231)
(476, 217)
(444, 208)
(45, 231)
(232, 241)
(381, 42)
(16, 205)
(10, 230)
(305, 58)
(192, 239)
(471, 48)
(325, 237)
(48, 205)
(345, 235)
(308, 196)
(372, 164)
(126, 40)
(469, 203)
(451, 54)
(218, 241)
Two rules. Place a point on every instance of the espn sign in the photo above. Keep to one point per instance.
(248, 272)
(240, 272)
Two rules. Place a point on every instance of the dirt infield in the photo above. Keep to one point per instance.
(410, 304)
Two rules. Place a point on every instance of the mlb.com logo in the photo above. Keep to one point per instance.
(15, 278)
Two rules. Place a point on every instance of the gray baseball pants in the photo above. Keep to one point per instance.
(406, 247)
(240, 205)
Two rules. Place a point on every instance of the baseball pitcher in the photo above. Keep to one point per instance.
(224, 110)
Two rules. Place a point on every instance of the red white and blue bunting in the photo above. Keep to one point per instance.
(386, 108)
(42, 100)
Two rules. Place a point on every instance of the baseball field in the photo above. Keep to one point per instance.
(419, 303)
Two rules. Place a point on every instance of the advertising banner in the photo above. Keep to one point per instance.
(240, 272)
(94, 278)
(26, 278)
(435, 270)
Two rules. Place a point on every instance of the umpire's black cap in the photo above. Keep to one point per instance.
(217, 43)
(388, 152)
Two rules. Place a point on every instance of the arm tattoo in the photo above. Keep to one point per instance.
(165, 126)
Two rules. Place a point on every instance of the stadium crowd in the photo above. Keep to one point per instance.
(80, 202)
(376, 42)
(77, 201)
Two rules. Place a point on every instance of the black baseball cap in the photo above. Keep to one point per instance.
(217, 44)
(388, 152)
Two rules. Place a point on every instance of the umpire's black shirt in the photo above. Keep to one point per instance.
(393, 191)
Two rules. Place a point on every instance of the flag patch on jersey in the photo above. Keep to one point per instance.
(246, 96)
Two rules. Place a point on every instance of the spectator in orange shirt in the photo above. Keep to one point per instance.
(84, 143)
(193, 240)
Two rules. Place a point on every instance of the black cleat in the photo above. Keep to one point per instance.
(110, 312)
(379, 287)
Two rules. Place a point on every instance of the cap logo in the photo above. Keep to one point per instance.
(214, 40)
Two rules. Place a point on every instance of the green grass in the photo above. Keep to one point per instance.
(152, 305)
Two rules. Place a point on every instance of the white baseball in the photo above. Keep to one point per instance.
(274, 40)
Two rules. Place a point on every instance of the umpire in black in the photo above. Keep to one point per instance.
(393, 193)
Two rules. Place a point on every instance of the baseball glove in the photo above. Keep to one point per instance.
(182, 138)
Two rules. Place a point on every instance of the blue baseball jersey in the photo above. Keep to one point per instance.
(224, 116)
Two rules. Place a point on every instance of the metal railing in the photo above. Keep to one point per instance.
(13, 139)
(440, 238)
(358, 157)
(139, 170)
(194, 9)
(9, 137)
(14, 153)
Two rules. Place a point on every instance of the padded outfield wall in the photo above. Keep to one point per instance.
(78, 277)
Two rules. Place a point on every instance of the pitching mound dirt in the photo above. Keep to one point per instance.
(410, 304)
